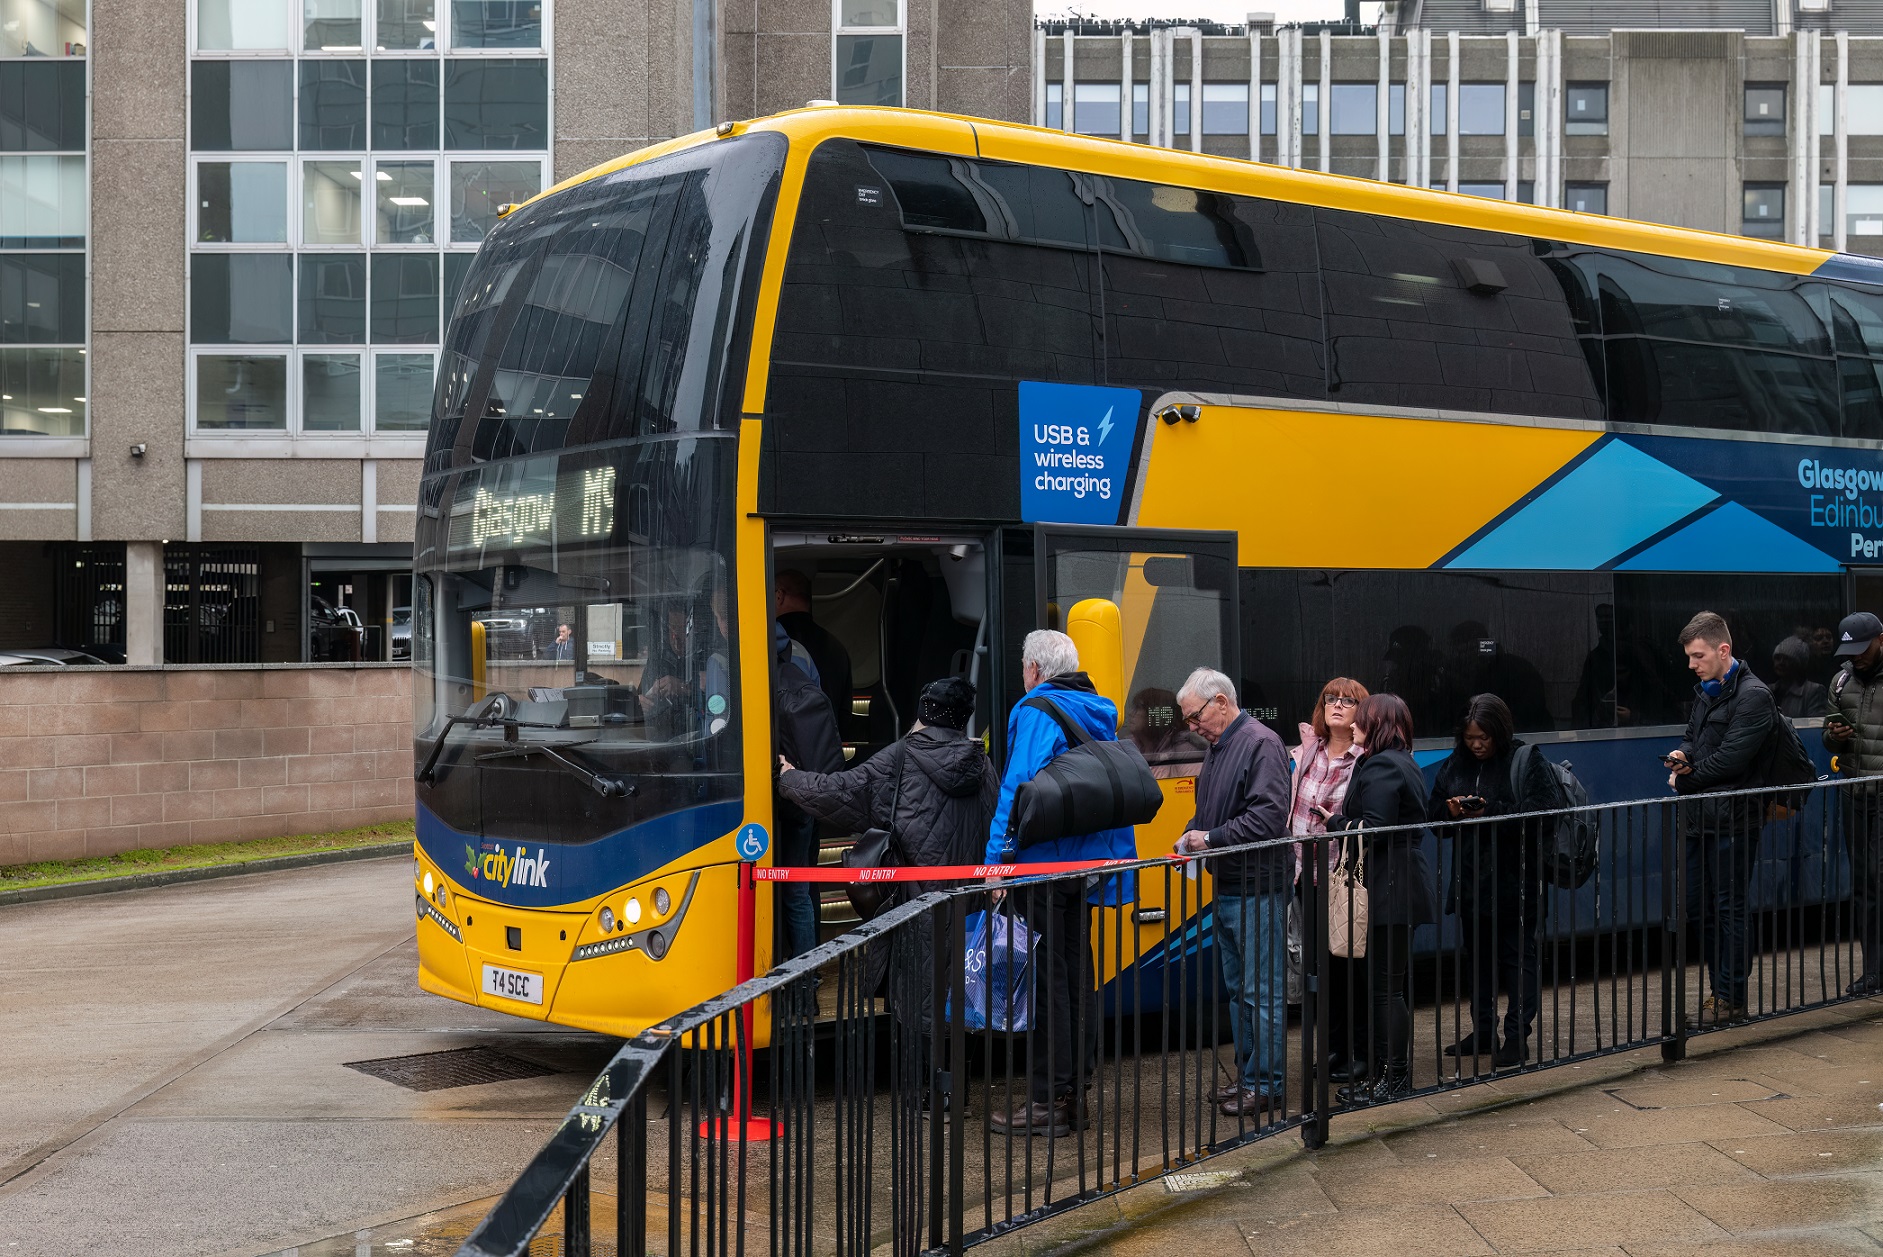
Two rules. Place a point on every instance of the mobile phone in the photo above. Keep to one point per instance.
(1472, 803)
(1668, 761)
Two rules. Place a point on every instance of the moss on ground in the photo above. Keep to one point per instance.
(198, 856)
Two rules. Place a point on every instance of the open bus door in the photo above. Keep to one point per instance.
(1147, 607)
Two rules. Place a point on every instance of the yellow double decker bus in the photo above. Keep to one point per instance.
(966, 377)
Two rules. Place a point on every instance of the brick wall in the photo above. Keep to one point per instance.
(97, 761)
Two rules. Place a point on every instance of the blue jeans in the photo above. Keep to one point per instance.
(797, 847)
(1252, 940)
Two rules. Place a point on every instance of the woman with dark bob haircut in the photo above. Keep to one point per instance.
(1388, 790)
(1496, 884)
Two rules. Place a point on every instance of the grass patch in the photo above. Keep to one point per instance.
(199, 856)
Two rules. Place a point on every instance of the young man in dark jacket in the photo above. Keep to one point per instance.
(1733, 714)
(1242, 798)
(1853, 731)
(807, 736)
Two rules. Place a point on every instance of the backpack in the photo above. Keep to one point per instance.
(1783, 761)
(1088, 787)
(1566, 841)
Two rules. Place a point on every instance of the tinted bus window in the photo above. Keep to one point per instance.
(1564, 650)
(1855, 317)
(1421, 314)
(1210, 293)
(1692, 343)
(608, 311)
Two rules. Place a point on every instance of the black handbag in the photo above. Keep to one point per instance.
(872, 850)
(1088, 787)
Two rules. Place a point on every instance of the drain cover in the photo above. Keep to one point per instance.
(460, 1067)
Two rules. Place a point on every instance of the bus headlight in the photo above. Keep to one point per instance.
(428, 883)
(418, 868)
(662, 901)
(632, 912)
(608, 920)
(444, 896)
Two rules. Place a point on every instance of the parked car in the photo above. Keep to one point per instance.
(335, 634)
(402, 632)
(48, 657)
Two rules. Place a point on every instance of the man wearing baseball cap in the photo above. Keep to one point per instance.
(1853, 732)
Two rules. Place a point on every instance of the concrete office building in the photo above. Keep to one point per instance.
(1762, 117)
(230, 235)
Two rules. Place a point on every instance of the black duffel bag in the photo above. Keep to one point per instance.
(1088, 787)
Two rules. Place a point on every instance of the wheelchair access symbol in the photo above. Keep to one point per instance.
(753, 842)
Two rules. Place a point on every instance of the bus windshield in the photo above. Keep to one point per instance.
(571, 607)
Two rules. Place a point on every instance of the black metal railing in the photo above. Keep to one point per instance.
(889, 1106)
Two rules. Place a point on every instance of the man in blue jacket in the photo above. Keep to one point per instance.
(1059, 1050)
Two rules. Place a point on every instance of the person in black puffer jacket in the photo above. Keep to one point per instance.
(1388, 790)
(1496, 885)
(948, 788)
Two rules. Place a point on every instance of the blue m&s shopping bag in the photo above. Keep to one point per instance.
(999, 980)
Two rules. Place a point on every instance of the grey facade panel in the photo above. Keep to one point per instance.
(1598, 17)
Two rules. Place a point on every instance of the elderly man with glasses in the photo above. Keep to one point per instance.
(1242, 799)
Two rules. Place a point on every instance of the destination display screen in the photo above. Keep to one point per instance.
(533, 504)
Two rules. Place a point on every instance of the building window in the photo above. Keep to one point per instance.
(1586, 198)
(1440, 92)
(1863, 217)
(867, 60)
(1526, 110)
(1585, 109)
(1268, 120)
(43, 220)
(1180, 109)
(1764, 212)
(337, 195)
(1353, 108)
(1396, 109)
(1055, 106)
(1765, 109)
(1140, 109)
(1863, 109)
(1310, 109)
(1493, 190)
(1480, 109)
(1225, 109)
(1095, 108)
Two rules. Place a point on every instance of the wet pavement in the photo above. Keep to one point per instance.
(177, 1081)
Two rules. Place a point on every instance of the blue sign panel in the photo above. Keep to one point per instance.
(753, 842)
(1075, 447)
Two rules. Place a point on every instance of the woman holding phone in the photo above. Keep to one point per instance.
(1323, 767)
(1496, 886)
(1388, 791)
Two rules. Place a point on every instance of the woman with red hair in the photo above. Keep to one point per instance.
(1388, 791)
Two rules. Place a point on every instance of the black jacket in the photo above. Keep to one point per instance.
(948, 791)
(1496, 862)
(832, 660)
(1388, 789)
(807, 730)
(1242, 797)
(1722, 742)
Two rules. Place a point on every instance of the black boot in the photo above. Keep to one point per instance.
(1477, 1043)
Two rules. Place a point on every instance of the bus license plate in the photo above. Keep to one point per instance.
(509, 984)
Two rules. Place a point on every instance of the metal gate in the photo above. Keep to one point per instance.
(211, 611)
(91, 599)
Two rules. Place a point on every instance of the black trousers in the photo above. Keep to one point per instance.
(1499, 941)
(1388, 962)
(1863, 838)
(1065, 1022)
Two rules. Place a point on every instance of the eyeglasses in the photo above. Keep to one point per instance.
(1192, 717)
(1339, 700)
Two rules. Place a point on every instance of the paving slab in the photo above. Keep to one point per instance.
(1832, 1200)
(1622, 1169)
(1794, 1154)
(1534, 1226)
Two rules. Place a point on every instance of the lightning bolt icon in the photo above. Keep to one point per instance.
(1104, 425)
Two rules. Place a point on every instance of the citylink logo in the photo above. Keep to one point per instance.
(518, 868)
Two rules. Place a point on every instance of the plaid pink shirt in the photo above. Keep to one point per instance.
(1320, 781)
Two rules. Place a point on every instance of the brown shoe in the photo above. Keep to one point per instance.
(1248, 1104)
(1716, 1010)
(1055, 1119)
(1227, 1092)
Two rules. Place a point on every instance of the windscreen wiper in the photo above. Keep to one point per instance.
(606, 786)
(493, 715)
